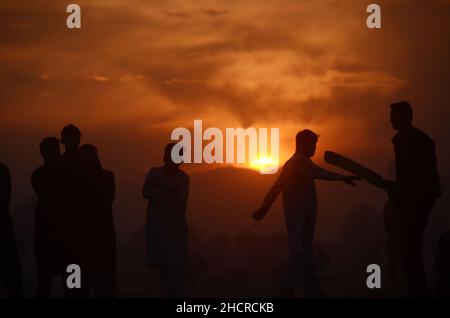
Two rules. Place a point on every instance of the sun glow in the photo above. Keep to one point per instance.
(265, 165)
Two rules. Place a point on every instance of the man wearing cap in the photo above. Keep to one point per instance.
(297, 182)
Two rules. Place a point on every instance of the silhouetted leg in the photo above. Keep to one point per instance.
(301, 272)
(288, 284)
(10, 268)
(106, 286)
(415, 274)
(13, 282)
(171, 278)
(44, 284)
(301, 268)
(392, 259)
(391, 225)
(290, 278)
(413, 265)
(307, 268)
(444, 284)
(411, 241)
(110, 274)
(104, 280)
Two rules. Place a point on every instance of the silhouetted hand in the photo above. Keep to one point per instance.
(349, 180)
(259, 214)
(391, 187)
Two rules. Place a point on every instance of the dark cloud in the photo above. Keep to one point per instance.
(174, 14)
(214, 12)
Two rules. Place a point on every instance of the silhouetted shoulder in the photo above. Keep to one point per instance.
(155, 171)
(36, 175)
(4, 173)
(184, 174)
(107, 174)
(425, 138)
(297, 161)
(4, 168)
(415, 136)
(290, 162)
(37, 172)
(288, 167)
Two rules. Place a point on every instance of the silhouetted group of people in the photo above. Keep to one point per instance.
(74, 219)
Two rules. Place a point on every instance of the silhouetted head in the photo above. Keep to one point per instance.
(70, 138)
(168, 162)
(89, 155)
(306, 142)
(401, 115)
(49, 148)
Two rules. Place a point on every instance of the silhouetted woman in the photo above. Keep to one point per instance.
(102, 258)
(167, 188)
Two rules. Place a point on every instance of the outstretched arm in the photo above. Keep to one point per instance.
(324, 174)
(270, 197)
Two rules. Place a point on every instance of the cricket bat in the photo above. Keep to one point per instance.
(354, 168)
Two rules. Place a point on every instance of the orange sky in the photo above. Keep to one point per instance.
(138, 69)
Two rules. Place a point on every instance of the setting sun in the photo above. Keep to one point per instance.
(265, 165)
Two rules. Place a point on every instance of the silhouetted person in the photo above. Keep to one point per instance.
(74, 187)
(166, 188)
(48, 234)
(297, 182)
(416, 190)
(102, 258)
(10, 268)
(442, 263)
